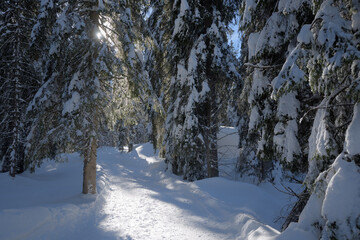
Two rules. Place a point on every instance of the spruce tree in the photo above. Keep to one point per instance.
(19, 80)
(270, 125)
(326, 59)
(155, 65)
(202, 69)
(92, 67)
(73, 93)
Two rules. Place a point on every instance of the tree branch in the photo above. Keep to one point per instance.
(262, 67)
(325, 107)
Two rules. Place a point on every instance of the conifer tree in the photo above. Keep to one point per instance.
(18, 80)
(155, 65)
(92, 64)
(73, 93)
(326, 58)
(202, 68)
(270, 127)
(302, 79)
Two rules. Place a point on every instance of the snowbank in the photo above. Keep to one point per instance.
(333, 210)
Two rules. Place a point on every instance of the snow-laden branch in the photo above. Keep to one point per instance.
(327, 104)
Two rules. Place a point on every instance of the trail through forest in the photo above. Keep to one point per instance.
(136, 199)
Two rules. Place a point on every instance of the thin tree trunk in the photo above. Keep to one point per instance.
(213, 165)
(211, 141)
(16, 112)
(89, 171)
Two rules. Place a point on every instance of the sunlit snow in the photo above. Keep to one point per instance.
(137, 199)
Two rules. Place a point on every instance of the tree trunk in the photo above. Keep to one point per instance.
(15, 146)
(211, 140)
(213, 164)
(89, 172)
(297, 209)
(90, 155)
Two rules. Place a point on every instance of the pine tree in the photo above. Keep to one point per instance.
(319, 58)
(73, 93)
(314, 89)
(155, 62)
(270, 127)
(326, 59)
(19, 80)
(202, 68)
(92, 64)
(132, 91)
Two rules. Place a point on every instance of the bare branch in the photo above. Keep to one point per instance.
(263, 67)
(322, 106)
(287, 191)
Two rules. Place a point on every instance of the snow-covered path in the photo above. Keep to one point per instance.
(142, 202)
(136, 199)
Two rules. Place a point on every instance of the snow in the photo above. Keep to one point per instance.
(352, 138)
(285, 138)
(181, 73)
(249, 6)
(270, 36)
(288, 105)
(258, 85)
(62, 22)
(214, 30)
(40, 93)
(101, 5)
(356, 21)
(74, 83)
(334, 204)
(253, 38)
(184, 6)
(204, 89)
(290, 73)
(319, 142)
(335, 27)
(286, 6)
(72, 104)
(345, 211)
(254, 118)
(305, 34)
(54, 48)
(136, 199)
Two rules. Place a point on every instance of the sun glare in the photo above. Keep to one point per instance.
(101, 33)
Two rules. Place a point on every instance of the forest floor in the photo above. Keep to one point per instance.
(137, 199)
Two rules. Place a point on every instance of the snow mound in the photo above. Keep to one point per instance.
(328, 214)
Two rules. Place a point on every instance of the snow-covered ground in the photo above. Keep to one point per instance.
(136, 199)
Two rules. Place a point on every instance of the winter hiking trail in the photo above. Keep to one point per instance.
(136, 199)
(157, 205)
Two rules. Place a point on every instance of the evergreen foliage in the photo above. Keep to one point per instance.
(301, 86)
(201, 68)
(270, 126)
(18, 80)
(74, 73)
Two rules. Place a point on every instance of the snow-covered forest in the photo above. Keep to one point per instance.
(142, 119)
